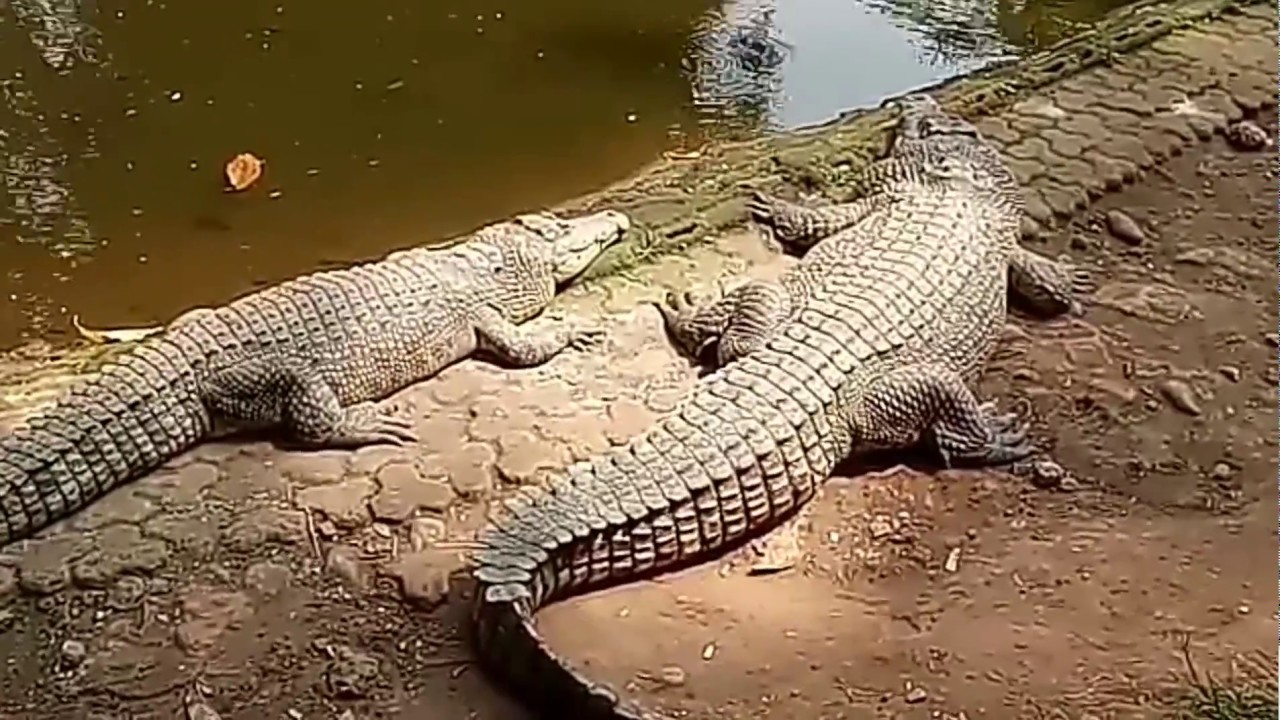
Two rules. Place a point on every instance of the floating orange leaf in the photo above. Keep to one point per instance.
(243, 171)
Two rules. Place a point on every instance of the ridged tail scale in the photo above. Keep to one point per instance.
(136, 414)
(739, 456)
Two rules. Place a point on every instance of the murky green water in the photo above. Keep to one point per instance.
(388, 123)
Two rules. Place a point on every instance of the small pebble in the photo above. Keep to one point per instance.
(952, 563)
(1180, 395)
(1222, 471)
(916, 695)
(1047, 474)
(1230, 372)
(73, 652)
(344, 562)
(1247, 136)
(1125, 228)
(673, 676)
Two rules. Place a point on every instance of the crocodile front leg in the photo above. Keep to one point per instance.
(800, 228)
(1046, 286)
(739, 323)
(528, 345)
(289, 393)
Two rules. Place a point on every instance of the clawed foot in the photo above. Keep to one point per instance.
(368, 424)
(771, 213)
(675, 309)
(681, 303)
(1009, 441)
(673, 306)
(764, 208)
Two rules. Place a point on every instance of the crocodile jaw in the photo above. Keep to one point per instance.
(584, 239)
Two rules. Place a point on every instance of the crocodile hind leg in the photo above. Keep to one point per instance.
(1046, 286)
(908, 403)
(290, 394)
(798, 227)
(738, 323)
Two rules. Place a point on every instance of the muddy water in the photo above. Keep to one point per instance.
(389, 123)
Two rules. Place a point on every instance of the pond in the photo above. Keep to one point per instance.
(393, 123)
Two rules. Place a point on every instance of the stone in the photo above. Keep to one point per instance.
(442, 433)
(1247, 136)
(178, 487)
(249, 475)
(1180, 395)
(1222, 471)
(122, 506)
(132, 668)
(777, 551)
(346, 504)
(45, 567)
(627, 419)
(522, 456)
(313, 468)
(551, 398)
(492, 421)
(8, 583)
(119, 550)
(1047, 474)
(458, 384)
(351, 674)
(370, 458)
(127, 593)
(264, 525)
(72, 654)
(1125, 228)
(915, 695)
(267, 579)
(403, 492)
(192, 534)
(207, 614)
(345, 564)
(424, 532)
(673, 676)
(424, 575)
(469, 468)
(197, 709)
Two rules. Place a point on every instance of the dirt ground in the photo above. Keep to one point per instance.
(915, 593)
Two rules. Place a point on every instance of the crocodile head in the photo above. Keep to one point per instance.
(915, 103)
(932, 119)
(574, 243)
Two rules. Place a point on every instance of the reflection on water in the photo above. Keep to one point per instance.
(735, 65)
(60, 31)
(387, 123)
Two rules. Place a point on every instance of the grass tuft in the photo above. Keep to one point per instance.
(1249, 693)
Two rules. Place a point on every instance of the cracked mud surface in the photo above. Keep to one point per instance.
(317, 585)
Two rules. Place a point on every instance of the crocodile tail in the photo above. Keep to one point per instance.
(138, 412)
(512, 651)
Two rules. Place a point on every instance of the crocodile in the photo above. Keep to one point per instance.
(734, 324)
(897, 313)
(307, 359)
